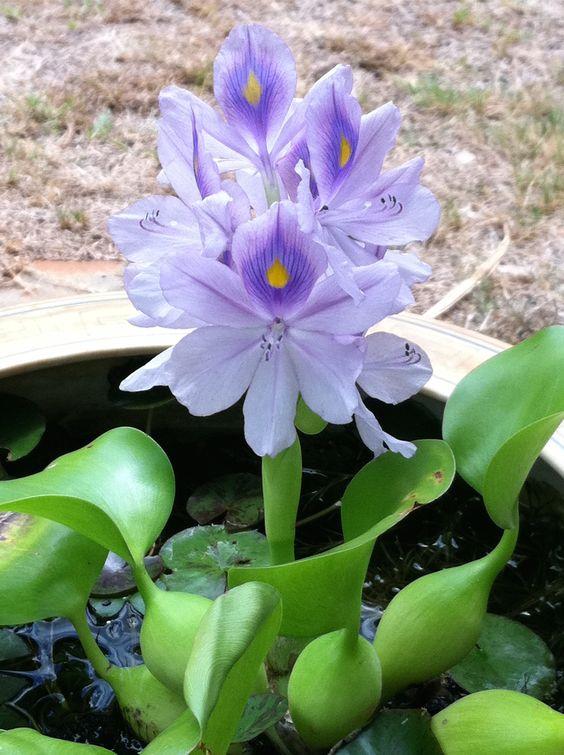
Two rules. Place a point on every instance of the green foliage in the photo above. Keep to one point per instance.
(261, 712)
(500, 416)
(238, 496)
(507, 655)
(306, 421)
(118, 490)
(334, 688)
(395, 732)
(499, 722)
(436, 620)
(31, 742)
(21, 425)
(281, 485)
(200, 557)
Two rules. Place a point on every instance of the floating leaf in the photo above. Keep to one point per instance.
(230, 646)
(435, 621)
(200, 558)
(117, 490)
(507, 655)
(514, 398)
(46, 569)
(116, 578)
(19, 741)
(239, 496)
(499, 722)
(12, 645)
(395, 732)
(106, 608)
(322, 593)
(261, 712)
(21, 425)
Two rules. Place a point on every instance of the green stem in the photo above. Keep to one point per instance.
(501, 554)
(144, 582)
(281, 486)
(96, 657)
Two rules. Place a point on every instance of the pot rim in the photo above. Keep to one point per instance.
(53, 332)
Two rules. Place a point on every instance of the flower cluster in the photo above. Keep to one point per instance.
(274, 250)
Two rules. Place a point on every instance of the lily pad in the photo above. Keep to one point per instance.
(12, 646)
(116, 578)
(261, 712)
(238, 496)
(395, 732)
(510, 656)
(21, 425)
(200, 557)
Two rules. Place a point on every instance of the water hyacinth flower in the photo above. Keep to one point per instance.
(280, 291)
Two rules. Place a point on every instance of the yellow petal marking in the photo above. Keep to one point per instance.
(252, 90)
(277, 275)
(345, 153)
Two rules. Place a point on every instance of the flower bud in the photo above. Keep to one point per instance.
(334, 688)
(435, 621)
(499, 722)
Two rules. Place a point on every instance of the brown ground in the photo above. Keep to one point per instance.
(477, 82)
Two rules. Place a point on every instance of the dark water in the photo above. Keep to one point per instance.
(54, 688)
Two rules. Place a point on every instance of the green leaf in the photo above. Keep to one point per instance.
(499, 722)
(322, 593)
(31, 742)
(46, 569)
(261, 712)
(507, 655)
(117, 490)
(230, 646)
(21, 425)
(180, 738)
(12, 645)
(391, 480)
(239, 496)
(200, 557)
(509, 392)
(395, 732)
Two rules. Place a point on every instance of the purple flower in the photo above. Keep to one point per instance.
(276, 327)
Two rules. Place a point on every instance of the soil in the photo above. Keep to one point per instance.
(477, 83)
(55, 688)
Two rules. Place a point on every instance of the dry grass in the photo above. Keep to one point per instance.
(478, 83)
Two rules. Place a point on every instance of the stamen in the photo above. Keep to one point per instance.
(253, 90)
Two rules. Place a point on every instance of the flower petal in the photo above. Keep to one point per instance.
(327, 368)
(151, 374)
(208, 290)
(270, 405)
(332, 132)
(143, 287)
(378, 131)
(374, 437)
(254, 81)
(155, 226)
(394, 369)
(214, 216)
(211, 368)
(331, 310)
(278, 263)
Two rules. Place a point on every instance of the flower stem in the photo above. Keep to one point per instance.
(96, 657)
(281, 485)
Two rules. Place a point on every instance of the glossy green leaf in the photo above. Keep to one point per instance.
(392, 481)
(395, 732)
(510, 467)
(238, 496)
(261, 712)
(31, 742)
(499, 722)
(180, 738)
(229, 649)
(22, 425)
(200, 557)
(334, 688)
(507, 655)
(117, 490)
(322, 593)
(509, 392)
(435, 621)
(46, 569)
